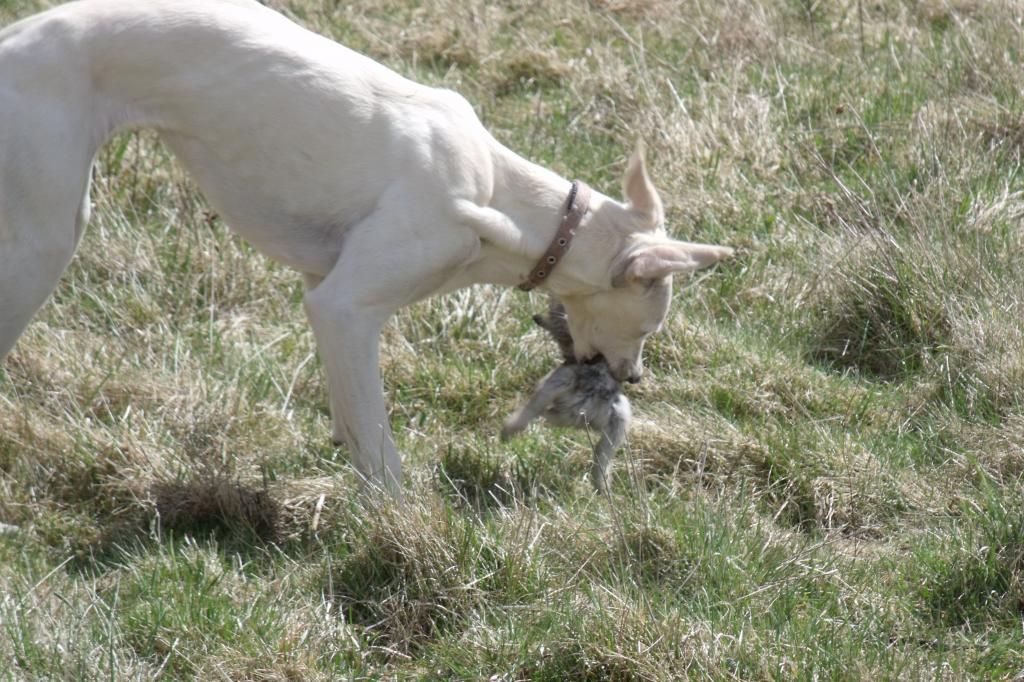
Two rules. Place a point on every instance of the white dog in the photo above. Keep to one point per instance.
(379, 190)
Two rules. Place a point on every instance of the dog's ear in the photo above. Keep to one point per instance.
(659, 260)
(639, 191)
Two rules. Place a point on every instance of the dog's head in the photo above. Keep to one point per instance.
(616, 321)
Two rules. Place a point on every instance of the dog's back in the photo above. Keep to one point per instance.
(252, 104)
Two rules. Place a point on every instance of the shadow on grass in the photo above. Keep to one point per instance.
(483, 480)
(978, 580)
(245, 518)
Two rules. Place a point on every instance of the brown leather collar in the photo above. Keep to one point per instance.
(576, 207)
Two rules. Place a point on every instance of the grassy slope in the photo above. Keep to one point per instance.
(824, 480)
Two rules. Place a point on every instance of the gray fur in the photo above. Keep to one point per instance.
(577, 395)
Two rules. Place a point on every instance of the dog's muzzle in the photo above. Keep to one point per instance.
(628, 372)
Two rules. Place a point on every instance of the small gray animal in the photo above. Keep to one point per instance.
(578, 395)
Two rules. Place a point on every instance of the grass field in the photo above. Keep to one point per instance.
(825, 476)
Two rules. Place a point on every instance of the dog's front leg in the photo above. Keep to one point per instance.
(379, 271)
(348, 339)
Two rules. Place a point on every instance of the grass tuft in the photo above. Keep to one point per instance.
(409, 577)
(883, 309)
(977, 580)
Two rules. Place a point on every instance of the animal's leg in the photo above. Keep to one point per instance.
(548, 390)
(311, 282)
(46, 152)
(612, 436)
(348, 340)
(386, 263)
(38, 235)
(604, 449)
(27, 278)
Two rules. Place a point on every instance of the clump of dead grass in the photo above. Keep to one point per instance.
(976, 577)
(529, 70)
(997, 451)
(653, 552)
(845, 488)
(689, 449)
(984, 371)
(641, 554)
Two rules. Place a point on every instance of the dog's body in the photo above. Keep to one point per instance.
(379, 190)
(582, 395)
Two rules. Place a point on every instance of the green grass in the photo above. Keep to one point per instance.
(824, 480)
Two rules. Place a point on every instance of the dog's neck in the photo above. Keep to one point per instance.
(533, 199)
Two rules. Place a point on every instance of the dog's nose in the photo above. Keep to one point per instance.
(634, 378)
